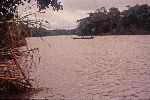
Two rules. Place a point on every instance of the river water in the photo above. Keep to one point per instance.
(106, 67)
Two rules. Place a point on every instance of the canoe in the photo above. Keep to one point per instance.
(83, 37)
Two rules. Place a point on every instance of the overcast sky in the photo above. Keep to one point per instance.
(77, 9)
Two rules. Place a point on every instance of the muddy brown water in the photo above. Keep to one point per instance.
(106, 67)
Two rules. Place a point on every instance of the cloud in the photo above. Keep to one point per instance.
(94, 4)
(77, 9)
(66, 19)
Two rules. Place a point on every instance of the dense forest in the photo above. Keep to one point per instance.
(64, 32)
(13, 28)
(134, 20)
(36, 32)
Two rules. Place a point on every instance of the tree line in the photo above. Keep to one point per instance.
(134, 20)
(13, 28)
(39, 32)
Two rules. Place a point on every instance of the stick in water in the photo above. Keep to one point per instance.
(45, 42)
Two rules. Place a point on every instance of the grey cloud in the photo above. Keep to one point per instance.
(77, 9)
(94, 4)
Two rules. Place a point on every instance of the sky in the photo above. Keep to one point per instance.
(74, 10)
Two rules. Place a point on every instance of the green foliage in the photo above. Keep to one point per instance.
(110, 22)
(63, 32)
(13, 29)
(39, 32)
(8, 8)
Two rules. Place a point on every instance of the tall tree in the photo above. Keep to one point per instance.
(111, 22)
(11, 33)
(9, 7)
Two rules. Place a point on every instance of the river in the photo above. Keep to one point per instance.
(106, 67)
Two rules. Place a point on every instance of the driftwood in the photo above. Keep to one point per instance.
(11, 73)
